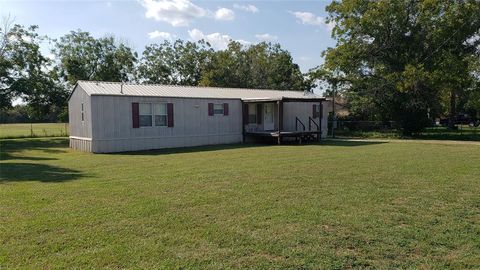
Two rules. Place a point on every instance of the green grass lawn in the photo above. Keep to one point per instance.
(39, 130)
(331, 206)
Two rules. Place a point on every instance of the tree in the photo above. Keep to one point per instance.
(179, 63)
(26, 73)
(263, 66)
(188, 63)
(83, 57)
(403, 56)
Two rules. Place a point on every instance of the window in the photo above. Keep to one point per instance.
(82, 112)
(252, 113)
(145, 114)
(160, 114)
(218, 109)
(316, 111)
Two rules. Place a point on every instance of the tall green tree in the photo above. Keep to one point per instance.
(26, 73)
(195, 63)
(80, 56)
(181, 62)
(262, 66)
(400, 57)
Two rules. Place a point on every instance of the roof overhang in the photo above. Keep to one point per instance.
(283, 99)
(260, 100)
(71, 92)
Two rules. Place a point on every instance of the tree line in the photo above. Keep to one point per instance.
(44, 82)
(405, 60)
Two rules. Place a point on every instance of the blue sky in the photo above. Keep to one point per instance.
(299, 26)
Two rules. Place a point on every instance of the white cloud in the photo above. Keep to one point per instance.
(161, 35)
(248, 8)
(224, 14)
(174, 12)
(109, 4)
(217, 40)
(266, 37)
(312, 19)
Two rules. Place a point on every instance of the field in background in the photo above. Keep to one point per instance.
(464, 133)
(335, 205)
(33, 130)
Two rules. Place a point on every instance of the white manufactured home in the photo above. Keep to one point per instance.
(116, 117)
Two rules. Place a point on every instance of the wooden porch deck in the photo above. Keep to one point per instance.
(280, 133)
(298, 135)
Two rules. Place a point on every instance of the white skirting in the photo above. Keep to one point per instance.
(149, 143)
(82, 144)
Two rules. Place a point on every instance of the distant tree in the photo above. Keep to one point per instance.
(188, 63)
(472, 94)
(403, 58)
(228, 68)
(16, 114)
(260, 66)
(179, 63)
(26, 73)
(83, 57)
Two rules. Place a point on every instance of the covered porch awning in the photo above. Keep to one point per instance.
(279, 132)
(283, 99)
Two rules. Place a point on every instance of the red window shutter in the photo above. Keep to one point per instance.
(259, 113)
(210, 109)
(170, 114)
(135, 115)
(245, 113)
(225, 108)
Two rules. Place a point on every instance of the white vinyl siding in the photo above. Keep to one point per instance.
(192, 127)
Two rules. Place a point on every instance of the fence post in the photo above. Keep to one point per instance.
(31, 130)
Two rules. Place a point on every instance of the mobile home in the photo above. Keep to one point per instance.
(116, 117)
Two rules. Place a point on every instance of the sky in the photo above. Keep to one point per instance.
(299, 26)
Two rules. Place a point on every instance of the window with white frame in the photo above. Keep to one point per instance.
(145, 114)
(252, 113)
(218, 109)
(82, 113)
(160, 113)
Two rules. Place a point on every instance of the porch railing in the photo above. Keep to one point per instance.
(298, 121)
(310, 121)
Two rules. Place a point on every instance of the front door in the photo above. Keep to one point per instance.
(268, 123)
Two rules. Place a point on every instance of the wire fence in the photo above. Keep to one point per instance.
(33, 130)
(390, 129)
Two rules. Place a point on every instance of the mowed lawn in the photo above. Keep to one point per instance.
(38, 129)
(334, 205)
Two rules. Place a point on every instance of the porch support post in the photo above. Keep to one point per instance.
(243, 120)
(279, 120)
(320, 118)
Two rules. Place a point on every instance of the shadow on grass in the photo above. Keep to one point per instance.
(16, 172)
(193, 149)
(346, 143)
(220, 147)
(11, 147)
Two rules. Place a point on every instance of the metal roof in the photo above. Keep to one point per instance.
(158, 90)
